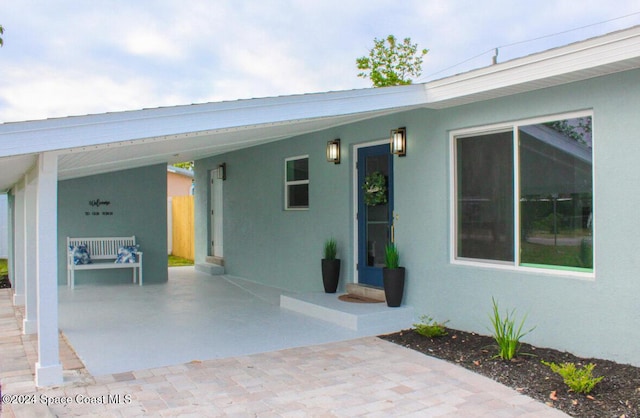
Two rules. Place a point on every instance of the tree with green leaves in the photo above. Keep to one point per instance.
(1, 32)
(187, 165)
(391, 63)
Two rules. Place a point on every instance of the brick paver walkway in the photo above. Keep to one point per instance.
(362, 377)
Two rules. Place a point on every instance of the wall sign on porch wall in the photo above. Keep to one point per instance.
(95, 205)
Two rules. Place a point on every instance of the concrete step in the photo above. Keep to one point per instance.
(366, 318)
(209, 268)
(214, 260)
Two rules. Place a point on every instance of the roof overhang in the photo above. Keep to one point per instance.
(595, 57)
(95, 144)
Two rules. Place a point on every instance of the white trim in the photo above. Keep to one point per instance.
(606, 54)
(515, 145)
(513, 127)
(19, 243)
(354, 197)
(217, 219)
(295, 182)
(48, 368)
(508, 266)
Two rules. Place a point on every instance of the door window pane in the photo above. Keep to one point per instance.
(377, 214)
(556, 193)
(484, 177)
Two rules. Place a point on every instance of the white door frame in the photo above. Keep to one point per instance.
(216, 215)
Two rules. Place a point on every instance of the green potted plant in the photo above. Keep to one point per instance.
(330, 266)
(393, 276)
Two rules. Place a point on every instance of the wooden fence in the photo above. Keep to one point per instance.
(182, 227)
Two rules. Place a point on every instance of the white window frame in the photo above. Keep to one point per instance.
(515, 265)
(294, 182)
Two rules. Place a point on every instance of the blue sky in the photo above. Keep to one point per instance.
(70, 57)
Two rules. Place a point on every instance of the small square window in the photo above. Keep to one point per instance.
(296, 183)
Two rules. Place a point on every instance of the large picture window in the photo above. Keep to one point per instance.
(524, 195)
(296, 188)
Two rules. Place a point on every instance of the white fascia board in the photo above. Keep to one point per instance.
(82, 131)
(618, 51)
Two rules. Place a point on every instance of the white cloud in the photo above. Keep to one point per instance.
(152, 43)
(38, 92)
(63, 57)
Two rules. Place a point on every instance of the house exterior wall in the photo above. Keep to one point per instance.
(137, 206)
(285, 246)
(589, 316)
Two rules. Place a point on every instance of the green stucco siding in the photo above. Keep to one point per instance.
(137, 206)
(590, 316)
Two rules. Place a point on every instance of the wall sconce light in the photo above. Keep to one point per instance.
(333, 151)
(399, 142)
(222, 171)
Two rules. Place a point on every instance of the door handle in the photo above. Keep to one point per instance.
(393, 233)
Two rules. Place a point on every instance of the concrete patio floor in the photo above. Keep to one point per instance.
(347, 376)
(194, 316)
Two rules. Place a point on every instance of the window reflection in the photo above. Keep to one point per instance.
(556, 193)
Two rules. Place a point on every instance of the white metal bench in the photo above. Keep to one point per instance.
(103, 253)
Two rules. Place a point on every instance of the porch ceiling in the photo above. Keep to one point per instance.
(97, 158)
(188, 146)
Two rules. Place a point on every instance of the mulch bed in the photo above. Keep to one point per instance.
(617, 395)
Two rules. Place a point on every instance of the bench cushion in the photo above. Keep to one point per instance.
(127, 254)
(80, 254)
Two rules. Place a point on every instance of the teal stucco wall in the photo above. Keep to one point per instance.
(588, 315)
(137, 206)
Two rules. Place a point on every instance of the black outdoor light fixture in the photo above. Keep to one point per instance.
(333, 151)
(222, 171)
(399, 142)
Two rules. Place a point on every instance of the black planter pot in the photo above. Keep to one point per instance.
(393, 280)
(330, 275)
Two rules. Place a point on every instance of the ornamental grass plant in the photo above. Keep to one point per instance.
(391, 256)
(505, 333)
(330, 249)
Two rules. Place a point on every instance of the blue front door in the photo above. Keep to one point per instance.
(375, 211)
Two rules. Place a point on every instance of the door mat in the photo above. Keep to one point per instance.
(357, 299)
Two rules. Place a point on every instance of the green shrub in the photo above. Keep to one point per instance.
(578, 380)
(3, 267)
(429, 328)
(505, 333)
(391, 256)
(330, 249)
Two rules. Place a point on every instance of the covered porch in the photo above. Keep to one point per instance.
(196, 317)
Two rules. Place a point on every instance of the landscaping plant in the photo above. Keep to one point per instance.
(330, 249)
(505, 333)
(429, 328)
(391, 256)
(578, 380)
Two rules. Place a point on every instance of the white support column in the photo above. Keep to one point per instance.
(19, 243)
(30, 261)
(11, 239)
(48, 367)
